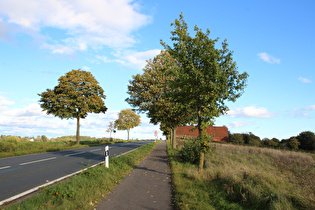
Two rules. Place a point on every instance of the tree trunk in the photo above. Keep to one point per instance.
(201, 161)
(174, 138)
(128, 134)
(199, 122)
(78, 130)
(171, 137)
(202, 154)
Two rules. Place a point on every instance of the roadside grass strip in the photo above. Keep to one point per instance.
(86, 189)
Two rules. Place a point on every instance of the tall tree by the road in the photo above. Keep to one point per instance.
(77, 94)
(207, 76)
(150, 92)
(127, 119)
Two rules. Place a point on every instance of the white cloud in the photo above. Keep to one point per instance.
(4, 103)
(4, 29)
(237, 124)
(311, 107)
(250, 111)
(300, 115)
(58, 49)
(105, 59)
(31, 110)
(268, 58)
(133, 59)
(304, 80)
(93, 23)
(86, 68)
(138, 59)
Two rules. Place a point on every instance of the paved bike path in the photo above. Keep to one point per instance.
(148, 186)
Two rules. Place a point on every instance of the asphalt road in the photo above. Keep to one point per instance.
(21, 175)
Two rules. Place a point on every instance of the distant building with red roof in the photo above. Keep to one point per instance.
(219, 133)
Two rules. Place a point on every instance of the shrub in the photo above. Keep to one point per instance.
(237, 138)
(44, 138)
(293, 143)
(251, 139)
(307, 140)
(14, 139)
(191, 151)
(193, 148)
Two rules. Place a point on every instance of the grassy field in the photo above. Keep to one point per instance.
(244, 177)
(16, 146)
(86, 190)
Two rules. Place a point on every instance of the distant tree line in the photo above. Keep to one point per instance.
(304, 141)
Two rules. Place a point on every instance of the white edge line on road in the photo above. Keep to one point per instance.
(36, 161)
(74, 154)
(5, 167)
(54, 181)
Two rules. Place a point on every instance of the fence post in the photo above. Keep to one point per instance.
(107, 157)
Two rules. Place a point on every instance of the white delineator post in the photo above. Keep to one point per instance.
(107, 157)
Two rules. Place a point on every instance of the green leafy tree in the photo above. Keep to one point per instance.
(77, 94)
(127, 119)
(150, 92)
(207, 76)
(44, 138)
(165, 130)
(293, 143)
(273, 143)
(251, 139)
(236, 138)
(307, 140)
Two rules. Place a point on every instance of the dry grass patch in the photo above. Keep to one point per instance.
(252, 177)
(280, 178)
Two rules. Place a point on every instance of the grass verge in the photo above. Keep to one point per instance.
(239, 177)
(86, 190)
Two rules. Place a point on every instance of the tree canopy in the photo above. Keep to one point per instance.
(150, 92)
(127, 119)
(207, 76)
(77, 94)
(307, 140)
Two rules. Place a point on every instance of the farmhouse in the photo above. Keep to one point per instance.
(219, 133)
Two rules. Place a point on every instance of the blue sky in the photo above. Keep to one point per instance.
(273, 41)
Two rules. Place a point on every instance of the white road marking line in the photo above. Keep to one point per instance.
(75, 154)
(95, 150)
(5, 167)
(36, 161)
